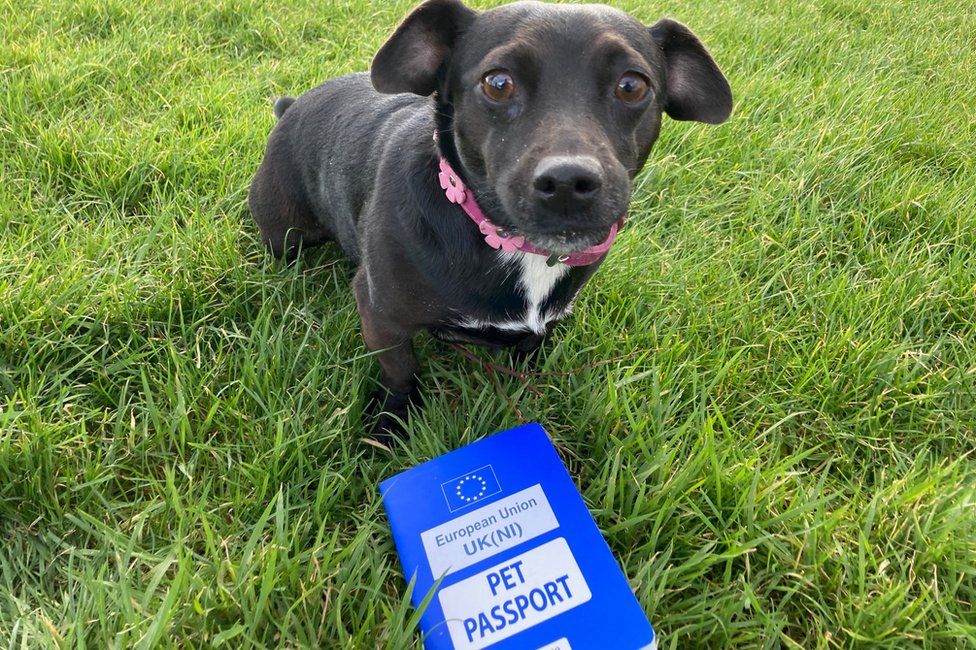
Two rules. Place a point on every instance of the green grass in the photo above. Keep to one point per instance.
(767, 396)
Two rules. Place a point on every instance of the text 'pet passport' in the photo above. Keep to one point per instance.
(520, 561)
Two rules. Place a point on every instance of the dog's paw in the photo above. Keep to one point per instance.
(388, 427)
(390, 412)
(527, 350)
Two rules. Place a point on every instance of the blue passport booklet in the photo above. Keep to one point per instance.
(519, 560)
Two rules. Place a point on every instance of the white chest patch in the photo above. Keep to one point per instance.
(536, 282)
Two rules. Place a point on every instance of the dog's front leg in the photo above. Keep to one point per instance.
(393, 344)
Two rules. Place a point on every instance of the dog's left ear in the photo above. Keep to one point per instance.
(696, 88)
(412, 59)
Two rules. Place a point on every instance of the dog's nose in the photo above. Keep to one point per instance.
(567, 182)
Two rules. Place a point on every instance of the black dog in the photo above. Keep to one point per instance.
(543, 114)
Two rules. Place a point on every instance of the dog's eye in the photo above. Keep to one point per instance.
(632, 87)
(498, 86)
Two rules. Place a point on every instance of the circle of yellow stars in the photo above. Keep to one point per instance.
(481, 492)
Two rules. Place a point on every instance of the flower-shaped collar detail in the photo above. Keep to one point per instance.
(502, 239)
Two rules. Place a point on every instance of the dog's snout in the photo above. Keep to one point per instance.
(567, 182)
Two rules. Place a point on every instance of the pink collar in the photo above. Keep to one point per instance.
(499, 238)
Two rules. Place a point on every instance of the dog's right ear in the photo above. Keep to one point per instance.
(412, 59)
(696, 88)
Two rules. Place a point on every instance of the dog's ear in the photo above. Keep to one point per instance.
(696, 88)
(419, 49)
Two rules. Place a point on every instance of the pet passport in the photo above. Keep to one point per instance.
(499, 533)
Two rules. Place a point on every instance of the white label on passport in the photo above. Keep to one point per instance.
(487, 531)
(513, 596)
(561, 644)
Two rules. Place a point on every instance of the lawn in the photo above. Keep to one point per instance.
(767, 396)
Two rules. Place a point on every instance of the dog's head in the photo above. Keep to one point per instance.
(553, 108)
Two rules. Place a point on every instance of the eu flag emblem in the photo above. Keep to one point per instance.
(470, 488)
